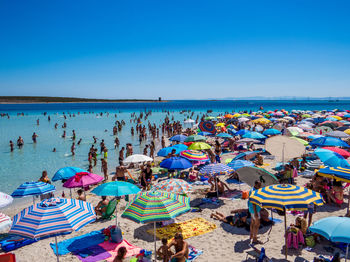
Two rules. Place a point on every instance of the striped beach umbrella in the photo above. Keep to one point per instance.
(285, 197)
(215, 169)
(5, 199)
(173, 185)
(33, 189)
(52, 217)
(194, 155)
(237, 164)
(156, 207)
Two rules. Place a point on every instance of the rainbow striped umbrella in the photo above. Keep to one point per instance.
(215, 169)
(285, 197)
(173, 185)
(52, 217)
(155, 207)
(194, 155)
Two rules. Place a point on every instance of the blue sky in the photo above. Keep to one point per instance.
(175, 49)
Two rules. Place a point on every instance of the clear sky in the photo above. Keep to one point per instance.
(175, 49)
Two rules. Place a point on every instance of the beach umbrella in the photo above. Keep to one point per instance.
(250, 174)
(52, 217)
(284, 148)
(248, 140)
(189, 121)
(207, 126)
(199, 146)
(338, 134)
(243, 119)
(338, 150)
(285, 197)
(152, 207)
(224, 135)
(5, 223)
(5, 199)
(254, 135)
(137, 158)
(247, 155)
(166, 150)
(33, 189)
(215, 169)
(261, 121)
(178, 138)
(304, 142)
(82, 179)
(237, 164)
(328, 141)
(66, 173)
(335, 229)
(347, 131)
(175, 163)
(116, 189)
(241, 132)
(195, 138)
(180, 147)
(194, 155)
(293, 131)
(173, 185)
(331, 158)
(205, 133)
(321, 130)
(271, 132)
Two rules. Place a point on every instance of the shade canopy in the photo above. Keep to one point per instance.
(173, 185)
(5, 199)
(83, 179)
(175, 163)
(67, 172)
(336, 229)
(137, 158)
(337, 173)
(116, 188)
(251, 174)
(194, 155)
(331, 158)
(33, 189)
(215, 169)
(328, 141)
(237, 164)
(284, 148)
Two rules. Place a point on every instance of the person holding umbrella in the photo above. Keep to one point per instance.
(254, 211)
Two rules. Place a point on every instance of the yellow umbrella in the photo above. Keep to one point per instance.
(199, 146)
(347, 131)
(262, 121)
(337, 117)
(237, 115)
(220, 124)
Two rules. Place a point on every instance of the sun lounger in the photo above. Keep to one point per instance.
(109, 214)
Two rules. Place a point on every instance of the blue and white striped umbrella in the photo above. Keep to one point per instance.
(237, 164)
(33, 189)
(215, 169)
(52, 217)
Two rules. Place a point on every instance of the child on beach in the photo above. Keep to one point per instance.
(336, 195)
(163, 252)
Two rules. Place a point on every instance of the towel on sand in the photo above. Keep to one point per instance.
(112, 248)
(78, 243)
(93, 254)
(189, 228)
(193, 253)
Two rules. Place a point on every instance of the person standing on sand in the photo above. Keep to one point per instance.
(254, 210)
(163, 142)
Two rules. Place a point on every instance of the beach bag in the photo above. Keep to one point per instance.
(116, 235)
(310, 241)
(245, 194)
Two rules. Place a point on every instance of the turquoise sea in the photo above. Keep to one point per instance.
(26, 164)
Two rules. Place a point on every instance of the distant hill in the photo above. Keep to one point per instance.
(49, 99)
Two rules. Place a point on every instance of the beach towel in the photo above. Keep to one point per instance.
(264, 165)
(10, 243)
(78, 243)
(233, 195)
(193, 253)
(93, 254)
(112, 248)
(189, 228)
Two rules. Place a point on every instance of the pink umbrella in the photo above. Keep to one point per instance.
(82, 179)
(338, 150)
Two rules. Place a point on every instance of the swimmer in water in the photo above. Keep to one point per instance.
(79, 141)
(64, 134)
(11, 145)
(34, 136)
(20, 142)
(72, 149)
(54, 149)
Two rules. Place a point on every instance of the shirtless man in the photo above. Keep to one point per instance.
(73, 148)
(34, 136)
(217, 187)
(104, 168)
(20, 142)
(119, 173)
(181, 249)
(121, 156)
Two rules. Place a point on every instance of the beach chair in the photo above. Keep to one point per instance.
(109, 214)
(259, 255)
(8, 257)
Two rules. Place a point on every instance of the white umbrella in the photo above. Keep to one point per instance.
(284, 147)
(243, 119)
(5, 223)
(189, 121)
(137, 158)
(5, 199)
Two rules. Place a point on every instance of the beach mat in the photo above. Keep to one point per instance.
(233, 194)
(189, 228)
(193, 253)
(112, 249)
(78, 243)
(93, 254)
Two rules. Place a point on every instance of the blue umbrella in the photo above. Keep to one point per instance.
(166, 150)
(244, 154)
(254, 135)
(271, 132)
(312, 137)
(328, 141)
(336, 229)
(337, 173)
(331, 158)
(215, 169)
(203, 133)
(242, 132)
(33, 189)
(181, 147)
(346, 115)
(178, 138)
(176, 163)
(67, 172)
(224, 135)
(116, 188)
(236, 164)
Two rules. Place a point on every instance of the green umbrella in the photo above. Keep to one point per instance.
(304, 142)
(199, 146)
(195, 138)
(155, 207)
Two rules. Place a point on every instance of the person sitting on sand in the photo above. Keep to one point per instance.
(193, 175)
(336, 194)
(121, 254)
(163, 252)
(181, 248)
(101, 207)
(259, 161)
(238, 220)
(81, 195)
(217, 188)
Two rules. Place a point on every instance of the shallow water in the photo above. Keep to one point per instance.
(26, 164)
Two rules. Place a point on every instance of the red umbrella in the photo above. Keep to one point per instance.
(83, 179)
(340, 151)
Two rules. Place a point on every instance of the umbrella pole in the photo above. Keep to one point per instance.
(70, 192)
(216, 185)
(347, 252)
(33, 200)
(155, 243)
(56, 249)
(285, 232)
(116, 213)
(348, 201)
